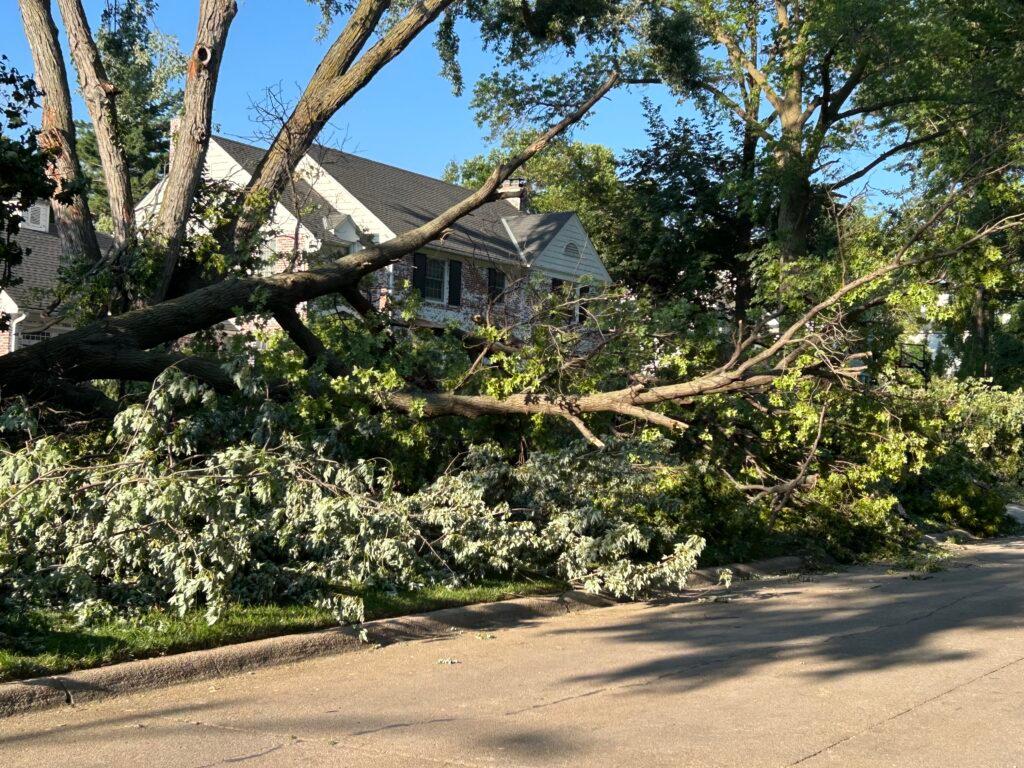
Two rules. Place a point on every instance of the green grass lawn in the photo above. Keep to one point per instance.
(45, 642)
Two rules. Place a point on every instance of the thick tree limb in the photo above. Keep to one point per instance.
(98, 93)
(312, 347)
(69, 204)
(743, 63)
(81, 398)
(334, 83)
(628, 401)
(192, 135)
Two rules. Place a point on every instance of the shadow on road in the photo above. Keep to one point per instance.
(870, 620)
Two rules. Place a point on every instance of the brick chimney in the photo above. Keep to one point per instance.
(516, 191)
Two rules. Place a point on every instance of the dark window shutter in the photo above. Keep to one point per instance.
(419, 272)
(455, 283)
(581, 307)
(495, 284)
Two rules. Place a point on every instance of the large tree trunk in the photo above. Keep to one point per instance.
(99, 93)
(743, 284)
(794, 209)
(335, 82)
(192, 135)
(978, 358)
(69, 204)
(795, 162)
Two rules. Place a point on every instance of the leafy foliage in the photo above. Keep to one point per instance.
(146, 517)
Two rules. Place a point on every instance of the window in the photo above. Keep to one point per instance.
(437, 279)
(556, 284)
(572, 252)
(433, 280)
(495, 284)
(28, 338)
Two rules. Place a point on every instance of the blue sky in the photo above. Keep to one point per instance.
(407, 116)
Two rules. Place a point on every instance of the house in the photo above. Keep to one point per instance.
(483, 267)
(25, 303)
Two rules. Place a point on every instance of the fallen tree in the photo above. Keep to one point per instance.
(132, 346)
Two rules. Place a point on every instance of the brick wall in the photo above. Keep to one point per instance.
(475, 308)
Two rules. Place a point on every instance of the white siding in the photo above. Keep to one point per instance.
(554, 261)
(221, 166)
(341, 199)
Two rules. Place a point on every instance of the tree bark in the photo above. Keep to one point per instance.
(69, 204)
(98, 93)
(192, 135)
(333, 84)
(981, 323)
(794, 207)
(744, 288)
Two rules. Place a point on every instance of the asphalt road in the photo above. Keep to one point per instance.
(862, 668)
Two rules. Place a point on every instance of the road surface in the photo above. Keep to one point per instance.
(861, 668)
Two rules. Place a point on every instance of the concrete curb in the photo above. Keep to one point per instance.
(703, 578)
(953, 535)
(128, 677)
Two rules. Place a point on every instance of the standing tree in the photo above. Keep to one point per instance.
(801, 83)
(143, 66)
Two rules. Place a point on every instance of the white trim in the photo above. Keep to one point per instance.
(13, 329)
(515, 243)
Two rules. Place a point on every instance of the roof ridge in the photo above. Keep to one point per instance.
(361, 158)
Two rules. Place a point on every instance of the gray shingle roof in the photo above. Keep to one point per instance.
(533, 231)
(403, 200)
(40, 268)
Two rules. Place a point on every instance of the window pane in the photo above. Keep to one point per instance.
(433, 283)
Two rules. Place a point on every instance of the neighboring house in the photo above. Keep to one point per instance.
(481, 267)
(26, 302)
(485, 267)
